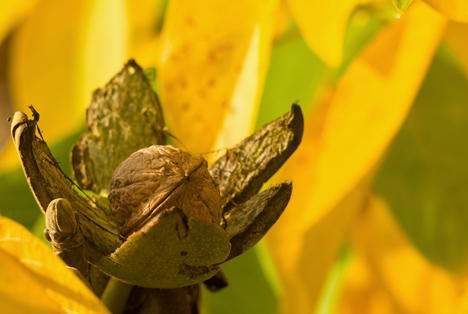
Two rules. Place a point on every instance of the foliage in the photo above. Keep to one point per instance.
(376, 222)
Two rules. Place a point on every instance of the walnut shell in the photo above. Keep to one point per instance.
(160, 177)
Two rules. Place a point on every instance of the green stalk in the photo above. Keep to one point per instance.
(115, 295)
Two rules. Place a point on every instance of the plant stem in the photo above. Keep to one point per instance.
(115, 295)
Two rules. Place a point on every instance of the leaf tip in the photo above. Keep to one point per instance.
(401, 6)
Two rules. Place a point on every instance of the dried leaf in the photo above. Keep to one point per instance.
(244, 168)
(123, 117)
(248, 223)
(48, 182)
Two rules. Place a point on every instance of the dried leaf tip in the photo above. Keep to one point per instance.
(245, 167)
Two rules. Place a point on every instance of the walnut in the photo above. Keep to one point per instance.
(160, 177)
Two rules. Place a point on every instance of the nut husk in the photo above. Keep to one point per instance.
(160, 177)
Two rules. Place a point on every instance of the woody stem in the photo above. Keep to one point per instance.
(115, 295)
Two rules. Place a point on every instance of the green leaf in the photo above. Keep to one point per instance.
(249, 290)
(423, 177)
(293, 76)
(401, 5)
(171, 251)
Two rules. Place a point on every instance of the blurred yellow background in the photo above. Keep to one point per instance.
(377, 222)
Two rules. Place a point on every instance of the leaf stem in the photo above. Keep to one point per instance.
(115, 295)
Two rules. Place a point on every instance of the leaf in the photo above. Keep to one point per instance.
(393, 273)
(12, 13)
(294, 75)
(145, 19)
(171, 251)
(401, 5)
(456, 10)
(123, 117)
(248, 223)
(16, 200)
(323, 25)
(211, 80)
(365, 100)
(59, 55)
(244, 168)
(102, 46)
(423, 177)
(343, 141)
(454, 38)
(35, 280)
(48, 182)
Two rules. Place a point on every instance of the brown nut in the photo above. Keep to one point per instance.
(160, 177)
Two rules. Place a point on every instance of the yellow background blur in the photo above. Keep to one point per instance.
(377, 222)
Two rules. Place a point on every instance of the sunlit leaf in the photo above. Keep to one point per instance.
(343, 144)
(294, 75)
(12, 13)
(104, 46)
(145, 19)
(423, 176)
(398, 277)
(401, 5)
(32, 277)
(212, 68)
(323, 25)
(369, 105)
(59, 55)
(20, 291)
(455, 38)
(456, 10)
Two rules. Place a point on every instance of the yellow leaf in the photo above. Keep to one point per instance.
(303, 276)
(342, 144)
(396, 268)
(456, 10)
(361, 292)
(20, 292)
(369, 105)
(213, 60)
(59, 55)
(455, 37)
(323, 25)
(11, 13)
(32, 277)
(102, 47)
(144, 19)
